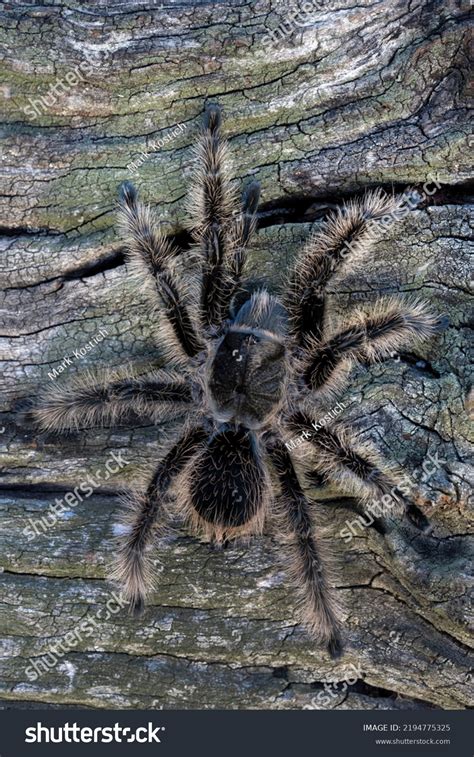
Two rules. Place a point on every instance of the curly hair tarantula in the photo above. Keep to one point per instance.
(250, 370)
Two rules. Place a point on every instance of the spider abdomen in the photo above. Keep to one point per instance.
(228, 486)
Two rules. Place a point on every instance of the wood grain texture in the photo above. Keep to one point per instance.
(353, 95)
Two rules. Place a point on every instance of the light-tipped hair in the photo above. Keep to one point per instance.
(107, 397)
(370, 334)
(345, 237)
(212, 198)
(306, 557)
(152, 262)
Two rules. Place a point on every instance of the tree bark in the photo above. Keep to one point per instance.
(345, 98)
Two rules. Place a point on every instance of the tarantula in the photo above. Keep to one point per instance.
(250, 371)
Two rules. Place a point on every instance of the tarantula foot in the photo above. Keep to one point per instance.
(335, 647)
(441, 324)
(137, 607)
(417, 517)
(251, 196)
(212, 117)
(127, 193)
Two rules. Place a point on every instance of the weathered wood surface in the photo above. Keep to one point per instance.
(356, 96)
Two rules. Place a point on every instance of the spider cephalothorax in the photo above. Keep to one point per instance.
(248, 367)
(247, 371)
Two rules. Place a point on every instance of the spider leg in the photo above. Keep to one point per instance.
(133, 569)
(99, 399)
(359, 472)
(307, 568)
(220, 227)
(150, 257)
(242, 231)
(345, 236)
(389, 325)
(211, 206)
(250, 198)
